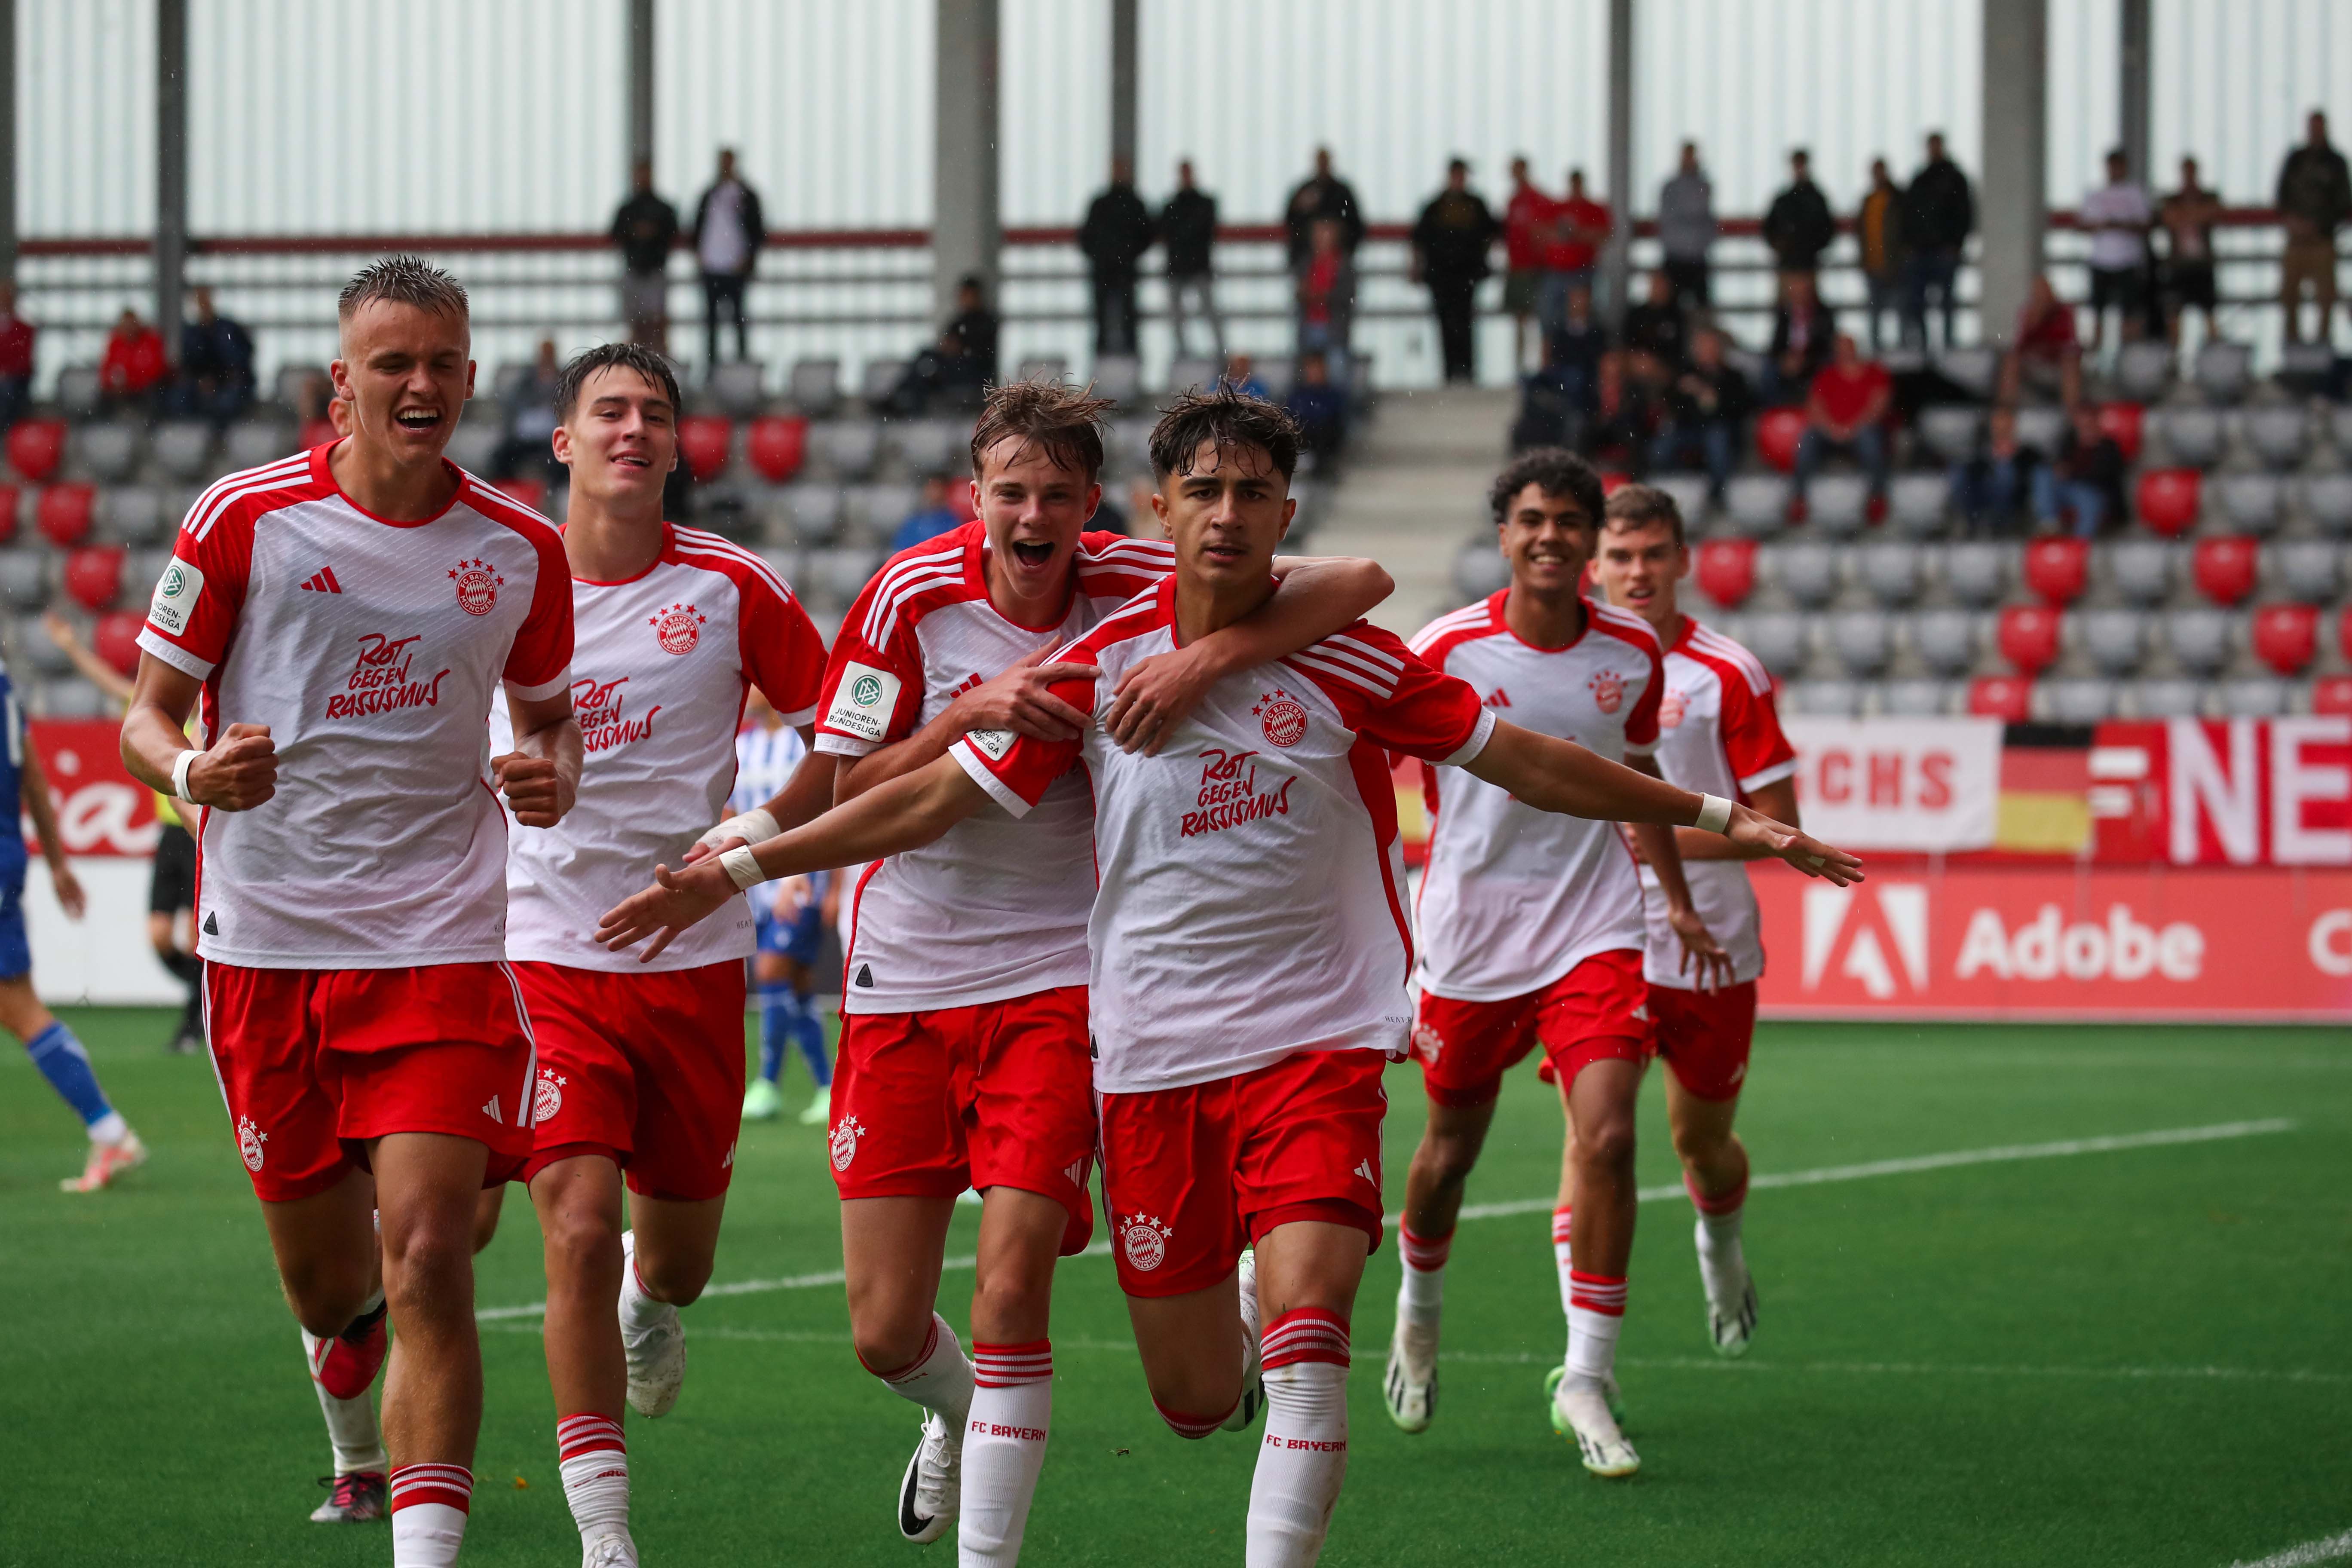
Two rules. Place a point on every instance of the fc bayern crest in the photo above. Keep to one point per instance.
(843, 1142)
(478, 586)
(249, 1140)
(1671, 709)
(1145, 1241)
(1608, 690)
(1428, 1042)
(1281, 717)
(680, 627)
(548, 1098)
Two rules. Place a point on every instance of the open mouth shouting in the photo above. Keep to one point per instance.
(418, 421)
(1032, 554)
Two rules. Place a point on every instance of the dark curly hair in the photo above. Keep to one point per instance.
(1556, 471)
(1053, 414)
(1230, 419)
(568, 381)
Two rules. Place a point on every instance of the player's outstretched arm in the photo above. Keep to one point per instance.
(1776, 800)
(541, 777)
(1320, 595)
(32, 784)
(904, 814)
(804, 797)
(1559, 775)
(1704, 958)
(236, 773)
(1021, 699)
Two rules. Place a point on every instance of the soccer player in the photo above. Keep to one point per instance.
(346, 616)
(1719, 731)
(1531, 934)
(787, 927)
(1248, 946)
(640, 1067)
(963, 1054)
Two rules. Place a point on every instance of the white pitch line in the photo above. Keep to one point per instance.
(2332, 1549)
(1864, 1171)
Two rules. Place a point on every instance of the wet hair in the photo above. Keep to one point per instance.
(1055, 416)
(403, 281)
(1556, 471)
(1645, 506)
(574, 377)
(1228, 419)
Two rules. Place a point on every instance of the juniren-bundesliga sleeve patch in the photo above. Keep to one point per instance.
(177, 592)
(994, 743)
(863, 701)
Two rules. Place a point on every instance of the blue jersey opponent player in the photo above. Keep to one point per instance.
(788, 924)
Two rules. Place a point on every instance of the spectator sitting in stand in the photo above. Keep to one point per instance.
(1707, 414)
(15, 359)
(1572, 353)
(528, 451)
(1992, 488)
(2087, 474)
(1624, 420)
(1321, 410)
(1554, 400)
(1798, 225)
(1326, 293)
(216, 379)
(1656, 335)
(134, 363)
(975, 326)
(2043, 352)
(936, 515)
(1803, 331)
(1878, 233)
(1846, 412)
(945, 377)
(1241, 374)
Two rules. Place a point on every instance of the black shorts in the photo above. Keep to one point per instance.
(172, 887)
(2126, 288)
(2187, 283)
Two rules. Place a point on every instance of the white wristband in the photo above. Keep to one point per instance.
(1714, 814)
(743, 866)
(750, 826)
(187, 760)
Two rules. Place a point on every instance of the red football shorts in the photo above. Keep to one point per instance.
(1593, 1013)
(1193, 1175)
(1001, 1094)
(645, 1069)
(315, 1062)
(1704, 1036)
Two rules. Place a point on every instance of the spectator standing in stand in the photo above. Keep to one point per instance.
(1991, 488)
(16, 335)
(728, 234)
(645, 229)
(975, 327)
(1326, 292)
(1846, 412)
(1802, 332)
(1118, 231)
(1657, 331)
(1527, 222)
(1939, 212)
(134, 363)
(1323, 198)
(529, 450)
(1188, 228)
(1241, 374)
(1707, 406)
(1580, 228)
(2043, 352)
(2118, 217)
(2087, 474)
(1798, 225)
(944, 375)
(2188, 217)
(2315, 196)
(1687, 227)
(1450, 245)
(1878, 233)
(215, 380)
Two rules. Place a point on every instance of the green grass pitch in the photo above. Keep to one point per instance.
(2131, 1356)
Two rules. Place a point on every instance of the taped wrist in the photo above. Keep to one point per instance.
(1714, 814)
(750, 826)
(743, 866)
(186, 760)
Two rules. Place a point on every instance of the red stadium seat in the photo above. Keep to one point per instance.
(960, 499)
(2344, 634)
(702, 441)
(2123, 421)
(2029, 638)
(2169, 499)
(36, 448)
(532, 493)
(64, 513)
(2286, 636)
(115, 638)
(777, 445)
(1613, 481)
(2224, 568)
(2003, 697)
(94, 576)
(316, 433)
(10, 500)
(1777, 431)
(1727, 570)
(2058, 569)
(2332, 694)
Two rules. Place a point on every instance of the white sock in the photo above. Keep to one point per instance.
(639, 1312)
(1003, 1449)
(1562, 1260)
(939, 1379)
(351, 1426)
(596, 1465)
(110, 1129)
(428, 1514)
(1593, 1322)
(1421, 1296)
(1304, 1459)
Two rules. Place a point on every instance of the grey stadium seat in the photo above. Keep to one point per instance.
(1915, 698)
(45, 656)
(2143, 371)
(838, 575)
(1479, 570)
(1759, 504)
(2251, 502)
(847, 446)
(1119, 377)
(2200, 638)
(1951, 429)
(285, 387)
(1945, 640)
(77, 390)
(877, 510)
(878, 380)
(2115, 640)
(2255, 697)
(107, 450)
(183, 449)
(2223, 369)
(1977, 572)
(24, 580)
(815, 510)
(2193, 436)
(1689, 492)
(1891, 572)
(1192, 372)
(2304, 368)
(1916, 502)
(740, 387)
(1806, 573)
(2041, 428)
(1048, 368)
(2167, 698)
(815, 385)
(145, 567)
(1859, 639)
(1837, 505)
(2280, 434)
(1131, 444)
(2142, 570)
(473, 445)
(929, 446)
(1974, 368)
(1277, 374)
(70, 697)
(1776, 638)
(131, 514)
(2329, 499)
(2308, 569)
(251, 443)
(2339, 428)
(2078, 701)
(1824, 698)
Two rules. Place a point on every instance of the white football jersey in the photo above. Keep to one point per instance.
(1719, 733)
(1251, 905)
(994, 909)
(1513, 898)
(372, 650)
(662, 664)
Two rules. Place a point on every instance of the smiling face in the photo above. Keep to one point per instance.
(1637, 566)
(1035, 509)
(406, 372)
(1226, 516)
(620, 441)
(1547, 538)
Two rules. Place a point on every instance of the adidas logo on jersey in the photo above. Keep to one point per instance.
(1501, 699)
(322, 581)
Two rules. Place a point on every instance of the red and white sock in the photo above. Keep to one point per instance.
(1304, 1457)
(939, 1379)
(428, 1514)
(1423, 1294)
(1003, 1447)
(1562, 1261)
(1595, 1312)
(595, 1465)
(342, 1369)
(1186, 1425)
(1720, 1263)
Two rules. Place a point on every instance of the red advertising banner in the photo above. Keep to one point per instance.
(2240, 792)
(101, 810)
(2091, 941)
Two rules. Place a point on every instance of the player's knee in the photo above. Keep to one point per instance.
(1702, 1147)
(581, 1239)
(679, 1281)
(1447, 1159)
(1013, 1301)
(885, 1348)
(1608, 1146)
(429, 1264)
(325, 1298)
